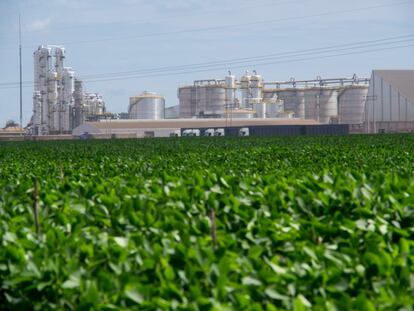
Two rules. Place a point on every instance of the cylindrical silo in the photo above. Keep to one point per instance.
(312, 98)
(351, 106)
(294, 101)
(148, 105)
(187, 101)
(260, 109)
(328, 105)
(211, 100)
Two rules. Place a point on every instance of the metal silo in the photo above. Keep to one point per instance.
(312, 103)
(187, 101)
(211, 100)
(328, 105)
(351, 106)
(294, 101)
(146, 106)
(260, 109)
(321, 104)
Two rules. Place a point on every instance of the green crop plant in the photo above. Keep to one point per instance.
(294, 223)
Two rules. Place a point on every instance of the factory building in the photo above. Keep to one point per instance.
(390, 102)
(230, 127)
(337, 100)
(147, 105)
(58, 98)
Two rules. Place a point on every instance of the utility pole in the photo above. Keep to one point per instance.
(20, 58)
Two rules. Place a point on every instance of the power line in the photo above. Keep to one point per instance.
(286, 59)
(253, 64)
(359, 44)
(229, 26)
(289, 54)
(245, 60)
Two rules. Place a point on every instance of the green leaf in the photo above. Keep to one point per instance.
(247, 280)
(121, 241)
(134, 295)
(272, 293)
(72, 282)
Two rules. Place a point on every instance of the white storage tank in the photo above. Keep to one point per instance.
(328, 105)
(148, 105)
(312, 103)
(260, 109)
(211, 100)
(321, 104)
(351, 106)
(187, 101)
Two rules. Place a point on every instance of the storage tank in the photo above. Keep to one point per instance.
(148, 105)
(351, 105)
(312, 101)
(187, 101)
(321, 104)
(260, 109)
(328, 105)
(211, 100)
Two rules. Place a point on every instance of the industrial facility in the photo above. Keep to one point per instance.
(253, 106)
(328, 101)
(59, 102)
(206, 127)
(382, 103)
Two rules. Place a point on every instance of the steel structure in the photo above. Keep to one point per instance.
(58, 98)
(330, 100)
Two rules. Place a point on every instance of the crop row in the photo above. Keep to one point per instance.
(208, 224)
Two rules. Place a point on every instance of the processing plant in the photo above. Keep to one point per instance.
(59, 102)
(335, 100)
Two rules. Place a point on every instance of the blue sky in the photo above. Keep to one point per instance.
(108, 36)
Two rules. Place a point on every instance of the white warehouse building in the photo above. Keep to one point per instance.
(390, 101)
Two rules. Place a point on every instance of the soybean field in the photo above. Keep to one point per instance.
(277, 223)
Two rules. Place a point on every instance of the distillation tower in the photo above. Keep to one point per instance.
(59, 102)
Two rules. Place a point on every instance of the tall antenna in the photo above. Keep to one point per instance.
(20, 58)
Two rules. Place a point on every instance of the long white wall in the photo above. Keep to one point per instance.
(385, 103)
